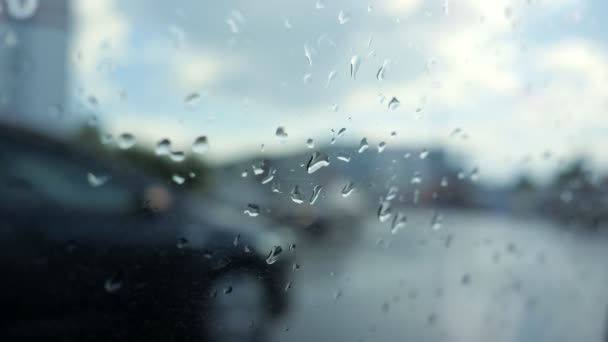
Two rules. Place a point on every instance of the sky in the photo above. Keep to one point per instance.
(512, 86)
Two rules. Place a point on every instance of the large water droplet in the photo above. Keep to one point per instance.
(381, 146)
(343, 156)
(399, 221)
(113, 283)
(364, 145)
(273, 256)
(97, 181)
(126, 141)
(393, 104)
(317, 160)
(316, 191)
(163, 147)
(382, 70)
(348, 189)
(253, 210)
(384, 211)
(281, 134)
(355, 64)
(21, 9)
(310, 143)
(200, 145)
(343, 17)
(330, 77)
(296, 195)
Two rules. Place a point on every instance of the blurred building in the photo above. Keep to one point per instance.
(34, 37)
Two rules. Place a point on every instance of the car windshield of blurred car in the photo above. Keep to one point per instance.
(380, 170)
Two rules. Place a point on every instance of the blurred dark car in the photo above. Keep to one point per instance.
(91, 252)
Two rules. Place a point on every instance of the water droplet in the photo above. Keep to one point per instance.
(273, 256)
(163, 147)
(381, 146)
(275, 187)
(228, 290)
(343, 156)
(192, 100)
(348, 189)
(416, 196)
(253, 210)
(178, 179)
(370, 8)
(287, 23)
(423, 154)
(182, 243)
(268, 175)
(406, 155)
(235, 21)
(200, 145)
(114, 283)
(177, 156)
(237, 240)
(97, 181)
(281, 134)
(307, 77)
(460, 174)
(330, 77)
(392, 193)
(393, 104)
(455, 132)
(436, 220)
(106, 139)
(338, 294)
(384, 211)
(474, 174)
(341, 132)
(381, 71)
(355, 64)
(126, 141)
(296, 195)
(335, 107)
(287, 287)
(364, 145)
(444, 182)
(316, 191)
(295, 267)
(21, 9)
(310, 143)
(317, 161)
(399, 221)
(416, 178)
(343, 17)
(320, 4)
(308, 54)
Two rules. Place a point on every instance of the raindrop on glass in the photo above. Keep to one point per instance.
(310, 143)
(308, 54)
(306, 78)
(317, 161)
(182, 243)
(287, 23)
(21, 9)
(391, 193)
(253, 210)
(178, 179)
(273, 256)
(444, 182)
(436, 220)
(163, 147)
(381, 146)
(355, 64)
(296, 196)
(192, 100)
(348, 189)
(177, 156)
(399, 221)
(423, 154)
(96, 181)
(228, 290)
(330, 77)
(200, 145)
(113, 283)
(384, 211)
(343, 156)
(474, 174)
(343, 17)
(416, 178)
(393, 104)
(281, 134)
(380, 73)
(320, 4)
(126, 141)
(335, 107)
(364, 145)
(341, 132)
(316, 191)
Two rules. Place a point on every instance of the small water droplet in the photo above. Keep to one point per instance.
(348, 189)
(281, 134)
(391, 193)
(192, 100)
(113, 283)
(316, 191)
(295, 267)
(287, 23)
(97, 181)
(163, 147)
(310, 143)
(330, 77)
(273, 256)
(416, 196)
(178, 179)
(106, 139)
(253, 210)
(363, 145)
(235, 21)
(416, 178)
(126, 141)
(399, 221)
(474, 174)
(228, 290)
(370, 8)
(455, 132)
(320, 4)
(436, 220)
(341, 132)
(338, 294)
(382, 70)
(182, 243)
(307, 77)
(21, 9)
(381, 146)
(287, 287)
(317, 161)
(200, 145)
(177, 156)
(355, 64)
(423, 154)
(296, 195)
(308, 54)
(343, 17)
(335, 107)
(444, 182)
(393, 104)
(460, 174)
(343, 156)
(275, 187)
(384, 211)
